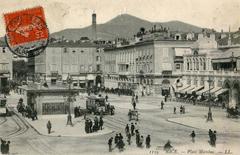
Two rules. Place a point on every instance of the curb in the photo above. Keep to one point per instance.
(28, 124)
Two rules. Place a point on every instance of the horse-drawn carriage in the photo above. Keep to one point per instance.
(232, 112)
(98, 105)
(133, 115)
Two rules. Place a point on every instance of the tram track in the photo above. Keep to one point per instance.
(4, 120)
(22, 127)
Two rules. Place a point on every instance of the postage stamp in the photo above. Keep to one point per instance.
(27, 34)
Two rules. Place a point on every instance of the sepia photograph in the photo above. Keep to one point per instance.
(120, 77)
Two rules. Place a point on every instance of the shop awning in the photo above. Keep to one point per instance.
(82, 78)
(185, 90)
(215, 89)
(75, 78)
(188, 90)
(90, 77)
(221, 91)
(195, 89)
(64, 76)
(182, 88)
(203, 91)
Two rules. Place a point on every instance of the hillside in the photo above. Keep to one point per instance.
(123, 26)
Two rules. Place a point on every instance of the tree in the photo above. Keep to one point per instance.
(142, 30)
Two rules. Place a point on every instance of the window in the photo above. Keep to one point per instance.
(178, 66)
(98, 58)
(98, 68)
(53, 81)
(75, 84)
(73, 51)
(82, 51)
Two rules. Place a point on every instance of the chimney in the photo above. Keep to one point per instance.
(229, 38)
(94, 26)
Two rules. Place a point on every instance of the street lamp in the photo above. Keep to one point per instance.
(69, 118)
(209, 116)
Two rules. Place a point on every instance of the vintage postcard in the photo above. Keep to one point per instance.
(127, 77)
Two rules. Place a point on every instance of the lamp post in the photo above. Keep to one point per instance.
(209, 116)
(69, 117)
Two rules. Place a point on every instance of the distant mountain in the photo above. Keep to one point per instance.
(123, 26)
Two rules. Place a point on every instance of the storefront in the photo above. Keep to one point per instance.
(51, 100)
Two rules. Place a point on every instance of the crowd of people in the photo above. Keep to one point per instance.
(212, 137)
(26, 111)
(93, 125)
(5, 146)
(131, 131)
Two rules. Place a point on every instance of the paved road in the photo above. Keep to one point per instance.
(153, 121)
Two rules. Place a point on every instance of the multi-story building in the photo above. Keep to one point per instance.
(81, 60)
(148, 67)
(6, 68)
(211, 70)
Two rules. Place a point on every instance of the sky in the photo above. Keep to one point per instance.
(62, 14)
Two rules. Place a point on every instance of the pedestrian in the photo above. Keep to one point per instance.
(181, 109)
(69, 119)
(120, 136)
(193, 135)
(141, 139)
(7, 147)
(127, 129)
(86, 126)
(136, 126)
(136, 98)
(132, 129)
(110, 144)
(101, 123)
(137, 138)
(162, 104)
(148, 141)
(49, 127)
(121, 145)
(35, 114)
(3, 146)
(90, 130)
(210, 134)
(174, 110)
(167, 147)
(165, 98)
(134, 105)
(112, 109)
(75, 112)
(106, 98)
(96, 123)
(129, 138)
(116, 139)
(214, 138)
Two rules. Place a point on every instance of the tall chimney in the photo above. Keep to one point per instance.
(229, 38)
(94, 26)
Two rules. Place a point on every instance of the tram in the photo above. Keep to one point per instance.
(3, 106)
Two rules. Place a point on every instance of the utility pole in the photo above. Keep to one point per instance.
(69, 117)
(209, 116)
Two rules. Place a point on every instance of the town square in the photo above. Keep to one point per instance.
(133, 82)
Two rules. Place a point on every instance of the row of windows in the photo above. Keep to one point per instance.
(212, 83)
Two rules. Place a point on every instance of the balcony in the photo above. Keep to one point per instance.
(214, 72)
(4, 71)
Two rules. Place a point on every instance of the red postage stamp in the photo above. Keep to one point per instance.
(26, 31)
